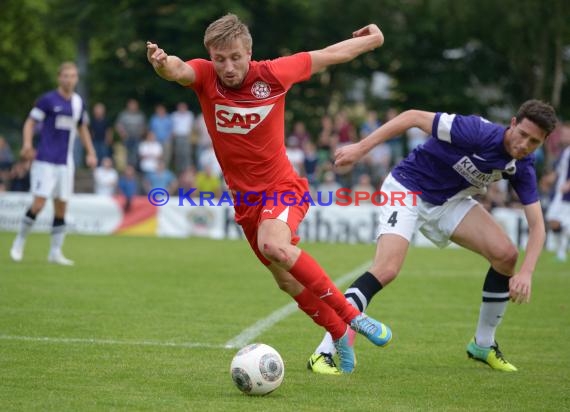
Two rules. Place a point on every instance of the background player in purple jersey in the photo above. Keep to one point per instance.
(61, 115)
(558, 214)
(461, 158)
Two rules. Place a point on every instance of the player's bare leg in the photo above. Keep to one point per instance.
(17, 250)
(58, 235)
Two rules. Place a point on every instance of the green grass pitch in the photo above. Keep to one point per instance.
(140, 324)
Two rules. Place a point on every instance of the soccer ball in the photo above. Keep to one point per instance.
(257, 369)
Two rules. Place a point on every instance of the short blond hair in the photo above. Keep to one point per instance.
(66, 65)
(222, 32)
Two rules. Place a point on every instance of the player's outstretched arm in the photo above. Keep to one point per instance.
(350, 154)
(520, 282)
(365, 39)
(169, 67)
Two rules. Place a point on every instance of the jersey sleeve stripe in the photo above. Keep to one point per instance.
(444, 127)
(37, 114)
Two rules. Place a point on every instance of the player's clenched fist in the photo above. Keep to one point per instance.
(155, 55)
(368, 30)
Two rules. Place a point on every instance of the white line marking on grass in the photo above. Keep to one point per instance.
(249, 334)
(109, 342)
(246, 336)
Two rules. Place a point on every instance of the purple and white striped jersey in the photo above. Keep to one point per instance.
(59, 119)
(563, 174)
(461, 158)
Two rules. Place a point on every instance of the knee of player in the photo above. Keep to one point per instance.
(38, 205)
(505, 257)
(275, 252)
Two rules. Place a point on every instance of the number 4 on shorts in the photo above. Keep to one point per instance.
(393, 219)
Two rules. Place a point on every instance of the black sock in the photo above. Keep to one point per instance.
(496, 287)
(30, 214)
(362, 290)
(58, 221)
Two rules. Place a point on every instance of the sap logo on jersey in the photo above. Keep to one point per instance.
(240, 120)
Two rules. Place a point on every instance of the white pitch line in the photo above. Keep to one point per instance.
(245, 337)
(252, 332)
(109, 342)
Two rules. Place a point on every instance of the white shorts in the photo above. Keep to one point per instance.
(559, 211)
(437, 223)
(49, 180)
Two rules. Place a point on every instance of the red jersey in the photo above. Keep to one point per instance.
(247, 124)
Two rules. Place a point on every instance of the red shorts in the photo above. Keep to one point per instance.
(282, 202)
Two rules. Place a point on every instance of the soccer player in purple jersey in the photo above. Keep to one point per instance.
(62, 115)
(461, 158)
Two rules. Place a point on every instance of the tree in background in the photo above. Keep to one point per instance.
(473, 56)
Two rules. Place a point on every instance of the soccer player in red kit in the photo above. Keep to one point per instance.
(243, 102)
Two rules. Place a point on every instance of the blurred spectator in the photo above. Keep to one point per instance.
(346, 135)
(378, 161)
(207, 181)
(161, 125)
(150, 153)
(119, 156)
(20, 176)
(299, 135)
(553, 146)
(540, 162)
(101, 131)
(545, 186)
(203, 139)
(344, 128)
(327, 141)
(329, 184)
(364, 185)
(415, 137)
(396, 143)
(129, 186)
(131, 127)
(295, 154)
(161, 178)
(187, 179)
(105, 178)
(182, 125)
(6, 157)
(370, 124)
(208, 159)
(311, 163)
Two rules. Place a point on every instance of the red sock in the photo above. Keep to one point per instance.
(321, 313)
(311, 275)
